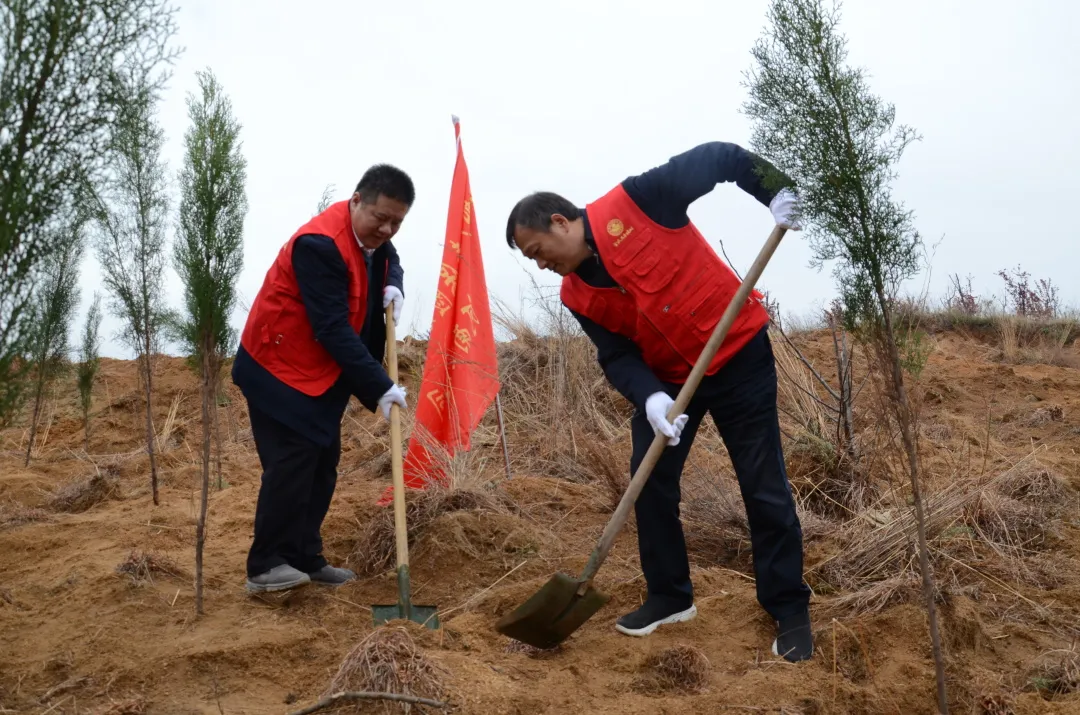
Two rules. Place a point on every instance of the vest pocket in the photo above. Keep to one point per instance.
(652, 271)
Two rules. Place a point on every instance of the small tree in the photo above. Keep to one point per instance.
(89, 360)
(1037, 300)
(325, 200)
(55, 304)
(131, 212)
(209, 255)
(59, 62)
(817, 121)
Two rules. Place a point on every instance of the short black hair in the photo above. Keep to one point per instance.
(387, 180)
(535, 211)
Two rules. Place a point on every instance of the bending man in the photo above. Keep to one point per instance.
(648, 290)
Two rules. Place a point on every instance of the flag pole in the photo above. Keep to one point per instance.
(502, 435)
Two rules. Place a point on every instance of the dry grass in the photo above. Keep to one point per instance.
(995, 704)
(608, 470)
(388, 661)
(1011, 509)
(141, 566)
(1008, 332)
(876, 597)
(375, 545)
(1056, 673)
(1040, 342)
(555, 397)
(531, 650)
(681, 669)
(714, 518)
(82, 494)
(17, 514)
(1045, 415)
(133, 706)
(822, 470)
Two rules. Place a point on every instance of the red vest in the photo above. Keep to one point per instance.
(278, 334)
(673, 289)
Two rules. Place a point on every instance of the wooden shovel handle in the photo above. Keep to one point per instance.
(622, 512)
(400, 531)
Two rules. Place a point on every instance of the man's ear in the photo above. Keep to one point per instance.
(560, 221)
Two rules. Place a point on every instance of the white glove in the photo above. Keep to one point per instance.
(656, 409)
(391, 293)
(785, 210)
(395, 394)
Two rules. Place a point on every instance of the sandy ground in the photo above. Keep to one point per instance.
(77, 636)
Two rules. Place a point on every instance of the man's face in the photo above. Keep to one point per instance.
(560, 249)
(376, 223)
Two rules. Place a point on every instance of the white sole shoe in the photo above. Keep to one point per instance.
(279, 578)
(679, 617)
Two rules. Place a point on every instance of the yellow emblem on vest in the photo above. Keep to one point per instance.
(614, 227)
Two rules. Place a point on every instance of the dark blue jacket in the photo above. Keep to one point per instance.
(664, 194)
(323, 280)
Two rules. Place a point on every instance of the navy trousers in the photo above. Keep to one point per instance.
(741, 399)
(298, 481)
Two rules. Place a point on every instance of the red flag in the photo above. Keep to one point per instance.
(461, 376)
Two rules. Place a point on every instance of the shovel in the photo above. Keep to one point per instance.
(404, 608)
(564, 602)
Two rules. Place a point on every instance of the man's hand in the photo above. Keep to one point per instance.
(656, 409)
(785, 210)
(391, 293)
(395, 394)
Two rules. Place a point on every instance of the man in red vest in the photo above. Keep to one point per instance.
(648, 290)
(315, 336)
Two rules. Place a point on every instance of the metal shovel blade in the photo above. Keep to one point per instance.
(404, 609)
(552, 613)
(424, 615)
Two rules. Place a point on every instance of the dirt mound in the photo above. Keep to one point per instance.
(97, 604)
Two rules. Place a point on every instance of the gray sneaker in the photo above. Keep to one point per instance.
(279, 578)
(332, 575)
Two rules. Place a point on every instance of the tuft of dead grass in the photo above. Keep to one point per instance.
(388, 661)
(606, 470)
(999, 519)
(1012, 509)
(876, 597)
(82, 494)
(1045, 415)
(681, 668)
(141, 566)
(376, 543)
(133, 706)
(1056, 672)
(714, 519)
(17, 514)
(995, 704)
(532, 651)
(1036, 341)
(1034, 484)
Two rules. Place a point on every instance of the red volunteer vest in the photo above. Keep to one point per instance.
(673, 289)
(278, 334)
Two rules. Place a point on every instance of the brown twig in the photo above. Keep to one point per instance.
(338, 698)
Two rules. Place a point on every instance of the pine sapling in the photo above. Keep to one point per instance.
(59, 66)
(89, 362)
(54, 307)
(130, 212)
(208, 255)
(818, 122)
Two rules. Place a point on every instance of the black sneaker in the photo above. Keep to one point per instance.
(652, 614)
(794, 640)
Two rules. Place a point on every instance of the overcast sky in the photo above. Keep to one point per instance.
(574, 97)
